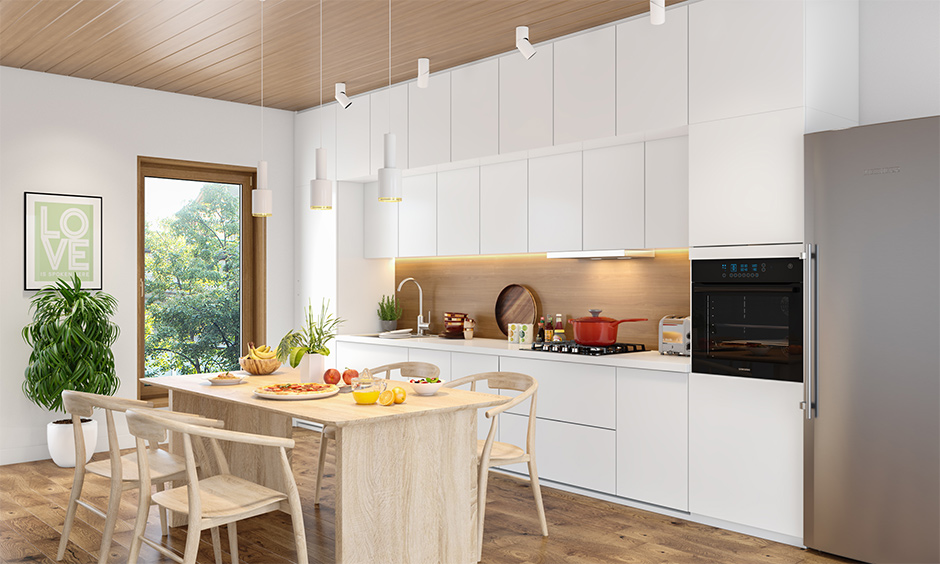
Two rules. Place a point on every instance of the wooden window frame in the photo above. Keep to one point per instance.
(253, 251)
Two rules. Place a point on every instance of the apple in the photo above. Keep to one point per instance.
(349, 374)
(331, 376)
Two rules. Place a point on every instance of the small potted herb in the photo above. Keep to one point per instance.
(389, 313)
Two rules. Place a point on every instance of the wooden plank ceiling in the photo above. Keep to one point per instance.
(212, 48)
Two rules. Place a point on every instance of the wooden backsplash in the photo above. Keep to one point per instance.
(650, 288)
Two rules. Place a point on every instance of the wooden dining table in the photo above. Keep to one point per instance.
(406, 475)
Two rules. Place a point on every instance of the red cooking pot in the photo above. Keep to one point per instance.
(597, 331)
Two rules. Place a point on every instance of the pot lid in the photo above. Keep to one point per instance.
(595, 318)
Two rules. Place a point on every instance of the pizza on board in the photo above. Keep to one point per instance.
(297, 389)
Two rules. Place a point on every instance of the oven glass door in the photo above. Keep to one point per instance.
(748, 330)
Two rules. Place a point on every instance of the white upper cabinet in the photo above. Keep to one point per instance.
(525, 100)
(458, 212)
(746, 180)
(380, 126)
(417, 216)
(652, 73)
(555, 203)
(429, 122)
(613, 197)
(475, 111)
(503, 195)
(352, 139)
(585, 86)
(380, 224)
(667, 193)
(745, 57)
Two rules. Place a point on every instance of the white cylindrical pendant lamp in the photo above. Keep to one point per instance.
(657, 12)
(389, 177)
(262, 199)
(262, 175)
(424, 72)
(321, 189)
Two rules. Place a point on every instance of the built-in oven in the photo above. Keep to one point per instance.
(747, 311)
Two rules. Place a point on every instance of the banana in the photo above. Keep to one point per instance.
(265, 355)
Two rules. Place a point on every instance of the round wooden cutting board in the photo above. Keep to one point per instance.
(515, 304)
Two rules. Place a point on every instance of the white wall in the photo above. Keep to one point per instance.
(74, 136)
(899, 57)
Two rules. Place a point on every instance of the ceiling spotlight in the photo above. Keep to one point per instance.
(522, 42)
(424, 72)
(341, 96)
(657, 12)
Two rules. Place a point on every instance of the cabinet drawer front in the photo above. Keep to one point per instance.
(359, 356)
(572, 454)
(578, 393)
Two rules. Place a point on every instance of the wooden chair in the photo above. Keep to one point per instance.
(120, 470)
(407, 370)
(491, 453)
(216, 500)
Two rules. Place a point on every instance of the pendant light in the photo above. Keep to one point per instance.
(321, 189)
(262, 199)
(389, 176)
(657, 12)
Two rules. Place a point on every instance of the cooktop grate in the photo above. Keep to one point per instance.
(571, 347)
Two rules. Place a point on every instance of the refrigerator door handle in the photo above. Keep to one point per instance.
(809, 332)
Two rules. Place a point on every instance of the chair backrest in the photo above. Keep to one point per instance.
(83, 404)
(523, 383)
(408, 370)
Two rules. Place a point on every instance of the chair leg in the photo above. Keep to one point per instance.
(114, 503)
(233, 541)
(537, 492)
(216, 545)
(193, 531)
(77, 482)
(297, 521)
(143, 512)
(481, 508)
(164, 529)
(321, 462)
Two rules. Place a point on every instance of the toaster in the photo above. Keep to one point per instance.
(675, 335)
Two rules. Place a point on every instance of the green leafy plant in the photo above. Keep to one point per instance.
(312, 338)
(71, 335)
(389, 309)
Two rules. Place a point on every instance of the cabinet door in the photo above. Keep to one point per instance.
(745, 58)
(571, 454)
(360, 355)
(475, 110)
(380, 125)
(441, 359)
(503, 193)
(746, 451)
(584, 86)
(613, 215)
(652, 73)
(379, 224)
(746, 180)
(555, 203)
(667, 193)
(352, 139)
(465, 364)
(525, 101)
(417, 216)
(429, 122)
(568, 391)
(458, 212)
(653, 437)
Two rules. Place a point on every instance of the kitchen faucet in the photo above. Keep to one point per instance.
(422, 326)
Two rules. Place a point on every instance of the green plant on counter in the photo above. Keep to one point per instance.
(71, 335)
(312, 338)
(389, 309)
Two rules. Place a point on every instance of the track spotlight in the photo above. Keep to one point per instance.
(424, 72)
(522, 42)
(657, 12)
(341, 96)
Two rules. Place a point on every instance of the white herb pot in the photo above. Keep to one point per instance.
(312, 367)
(61, 441)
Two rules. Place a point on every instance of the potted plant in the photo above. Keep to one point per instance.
(307, 348)
(71, 335)
(389, 313)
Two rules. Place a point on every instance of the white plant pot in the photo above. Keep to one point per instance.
(61, 441)
(312, 367)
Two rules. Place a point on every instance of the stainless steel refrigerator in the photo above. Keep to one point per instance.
(872, 373)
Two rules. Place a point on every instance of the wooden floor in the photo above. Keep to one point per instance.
(33, 497)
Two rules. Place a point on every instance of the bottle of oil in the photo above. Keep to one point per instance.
(549, 332)
(540, 336)
(559, 333)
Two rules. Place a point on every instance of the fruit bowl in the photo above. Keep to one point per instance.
(259, 367)
(425, 388)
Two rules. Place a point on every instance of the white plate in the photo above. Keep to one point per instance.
(227, 381)
(398, 334)
(295, 398)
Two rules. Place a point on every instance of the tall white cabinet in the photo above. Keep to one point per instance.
(429, 122)
(584, 86)
(475, 110)
(525, 100)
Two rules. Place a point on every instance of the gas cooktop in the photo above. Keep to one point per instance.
(571, 347)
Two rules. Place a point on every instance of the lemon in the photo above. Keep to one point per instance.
(400, 394)
(387, 397)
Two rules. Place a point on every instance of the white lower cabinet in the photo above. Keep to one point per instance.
(746, 451)
(441, 359)
(359, 356)
(573, 454)
(465, 364)
(653, 437)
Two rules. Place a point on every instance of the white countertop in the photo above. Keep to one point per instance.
(648, 360)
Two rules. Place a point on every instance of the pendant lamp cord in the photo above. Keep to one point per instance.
(389, 66)
(262, 80)
(320, 129)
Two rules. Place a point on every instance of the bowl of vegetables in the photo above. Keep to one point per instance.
(426, 386)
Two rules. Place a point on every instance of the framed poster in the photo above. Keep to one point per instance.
(63, 237)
